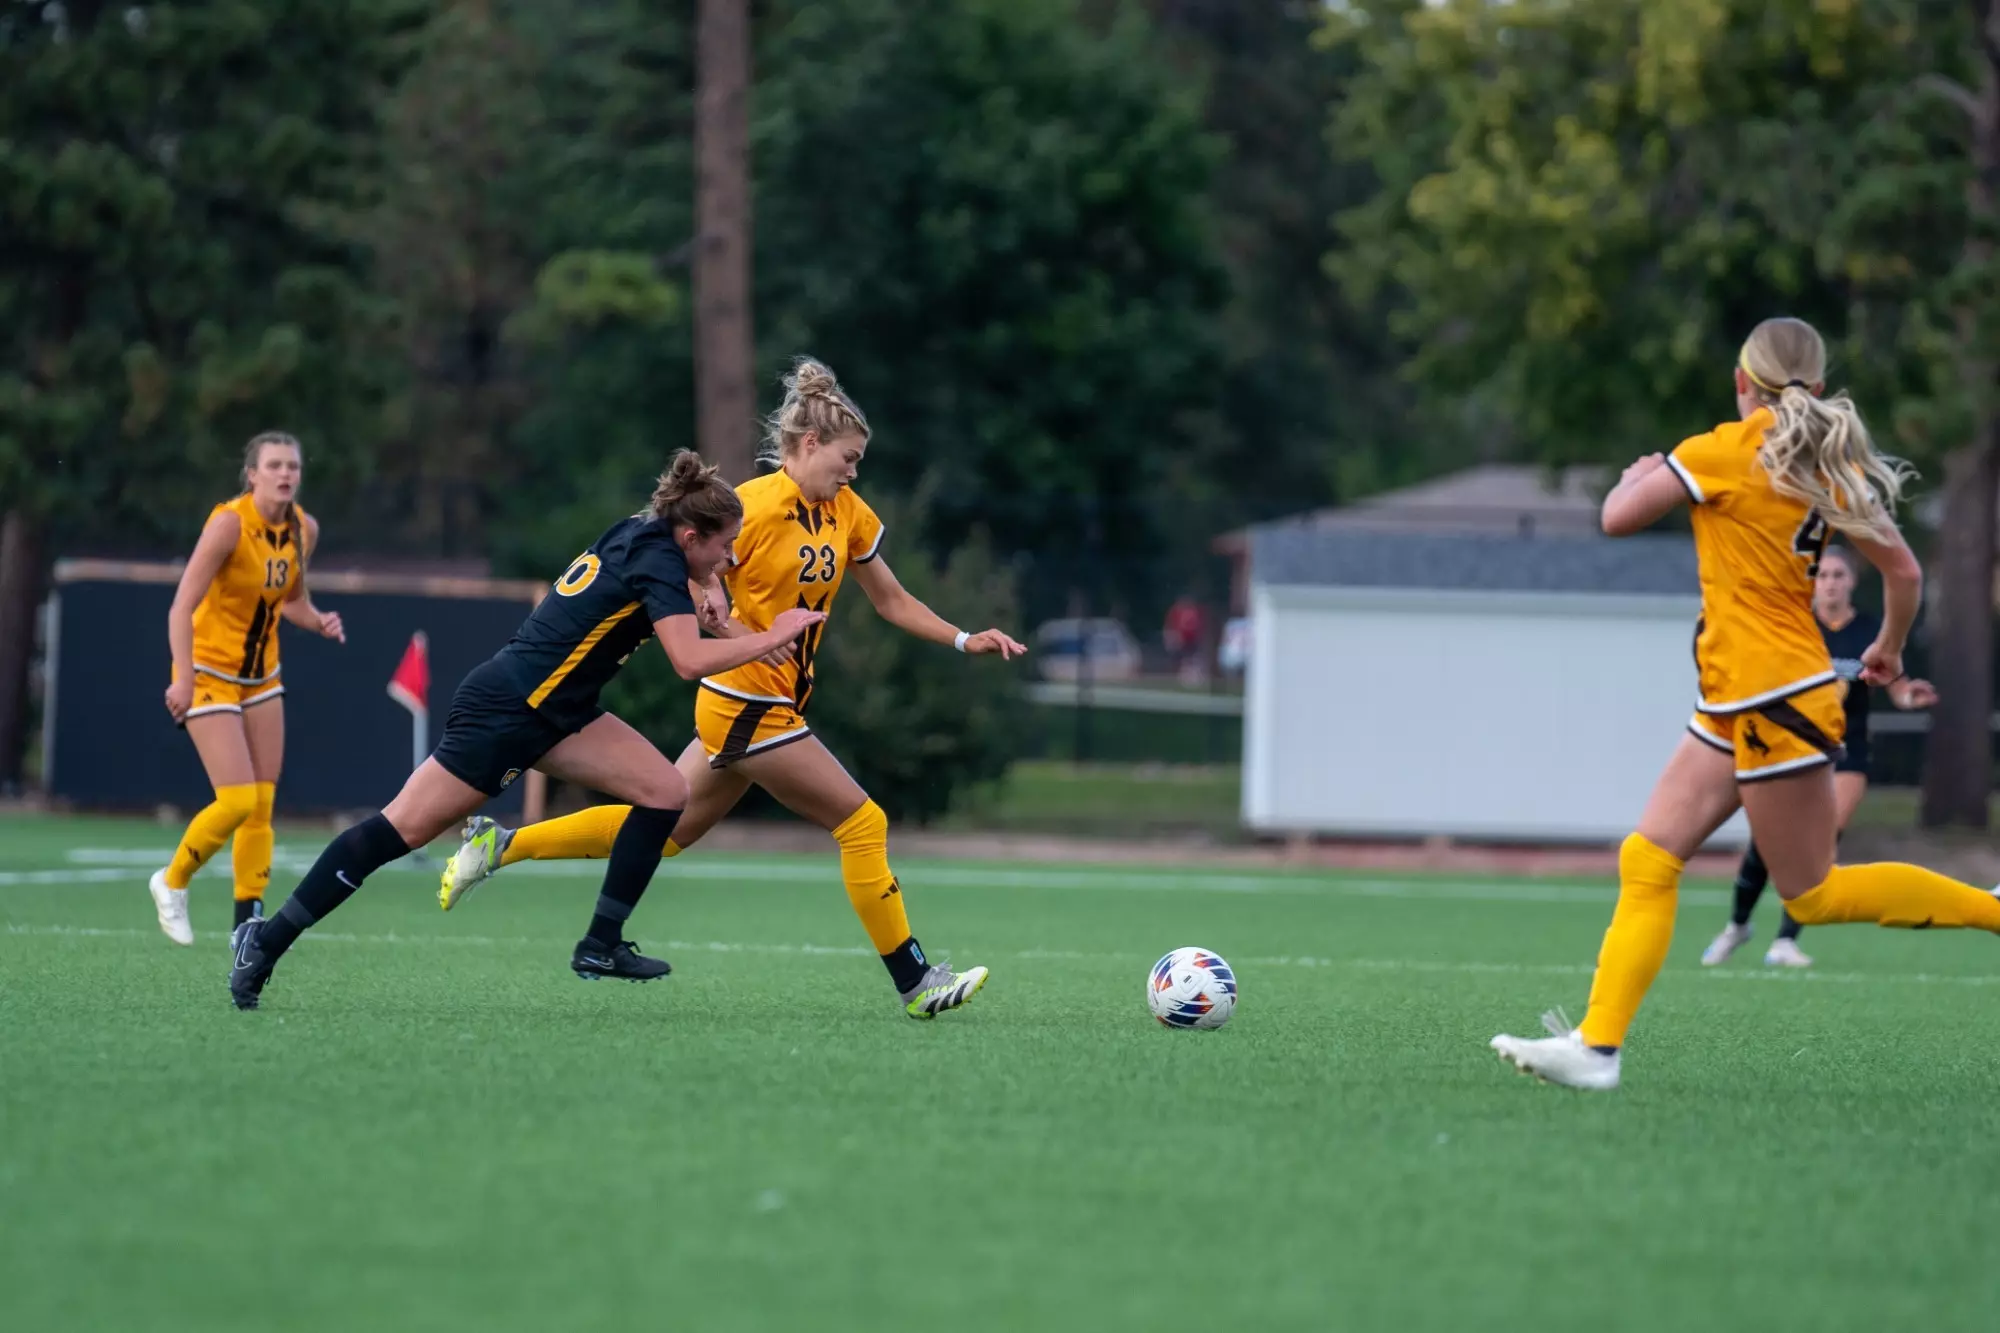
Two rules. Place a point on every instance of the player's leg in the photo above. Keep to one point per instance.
(250, 852)
(216, 728)
(588, 834)
(1693, 797)
(611, 757)
(1794, 811)
(807, 780)
(431, 801)
(1849, 786)
(1751, 876)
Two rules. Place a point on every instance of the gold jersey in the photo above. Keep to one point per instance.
(1758, 641)
(792, 553)
(236, 624)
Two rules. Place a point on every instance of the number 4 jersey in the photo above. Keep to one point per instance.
(1758, 641)
(792, 553)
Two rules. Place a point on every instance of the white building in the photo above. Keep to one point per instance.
(1472, 685)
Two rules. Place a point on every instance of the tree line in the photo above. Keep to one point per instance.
(1109, 278)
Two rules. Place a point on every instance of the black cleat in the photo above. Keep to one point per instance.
(622, 962)
(251, 969)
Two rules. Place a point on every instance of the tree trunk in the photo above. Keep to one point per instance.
(1958, 764)
(20, 596)
(725, 399)
(1958, 759)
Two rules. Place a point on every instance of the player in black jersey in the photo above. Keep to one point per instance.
(534, 705)
(1848, 633)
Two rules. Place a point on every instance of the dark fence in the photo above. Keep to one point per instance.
(109, 744)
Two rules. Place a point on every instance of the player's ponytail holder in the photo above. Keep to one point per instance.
(959, 641)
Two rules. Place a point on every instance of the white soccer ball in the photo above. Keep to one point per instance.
(1191, 988)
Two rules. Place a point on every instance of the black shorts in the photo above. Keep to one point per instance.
(1856, 758)
(491, 736)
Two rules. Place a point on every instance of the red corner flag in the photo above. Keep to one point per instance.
(411, 685)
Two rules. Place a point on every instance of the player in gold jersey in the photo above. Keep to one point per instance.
(804, 532)
(1765, 490)
(247, 572)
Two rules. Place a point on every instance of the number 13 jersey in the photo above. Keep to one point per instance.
(236, 624)
(1757, 641)
(792, 553)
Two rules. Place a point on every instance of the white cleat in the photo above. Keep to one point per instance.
(172, 907)
(942, 990)
(1732, 938)
(476, 860)
(1560, 1057)
(1785, 953)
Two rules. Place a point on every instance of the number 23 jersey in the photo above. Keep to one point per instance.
(792, 553)
(1758, 640)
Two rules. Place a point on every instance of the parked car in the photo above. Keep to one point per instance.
(1061, 647)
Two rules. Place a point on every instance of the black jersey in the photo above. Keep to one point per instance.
(1846, 645)
(597, 615)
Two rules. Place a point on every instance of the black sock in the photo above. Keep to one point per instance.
(347, 860)
(635, 855)
(906, 965)
(247, 908)
(1751, 877)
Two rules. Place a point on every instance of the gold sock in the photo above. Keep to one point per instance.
(1893, 894)
(207, 831)
(250, 852)
(586, 835)
(871, 885)
(1635, 946)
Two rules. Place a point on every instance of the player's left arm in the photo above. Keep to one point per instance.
(895, 604)
(1647, 493)
(298, 607)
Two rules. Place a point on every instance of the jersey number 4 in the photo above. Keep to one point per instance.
(820, 566)
(1810, 541)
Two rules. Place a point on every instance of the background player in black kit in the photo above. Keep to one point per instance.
(1848, 633)
(534, 705)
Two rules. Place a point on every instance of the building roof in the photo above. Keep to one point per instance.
(1296, 554)
(1501, 498)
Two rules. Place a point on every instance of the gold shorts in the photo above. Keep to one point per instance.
(1785, 736)
(214, 693)
(731, 726)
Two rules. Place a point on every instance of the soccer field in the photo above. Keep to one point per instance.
(432, 1124)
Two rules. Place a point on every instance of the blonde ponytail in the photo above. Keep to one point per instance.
(1817, 450)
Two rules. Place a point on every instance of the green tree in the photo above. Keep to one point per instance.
(174, 185)
(1586, 205)
(989, 217)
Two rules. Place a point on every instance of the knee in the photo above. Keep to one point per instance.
(264, 799)
(666, 790)
(1647, 870)
(238, 804)
(866, 826)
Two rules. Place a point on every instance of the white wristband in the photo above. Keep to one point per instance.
(959, 642)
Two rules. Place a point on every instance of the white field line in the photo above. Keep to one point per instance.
(96, 866)
(1760, 976)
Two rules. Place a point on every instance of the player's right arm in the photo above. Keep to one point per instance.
(218, 539)
(1643, 496)
(1902, 595)
(694, 657)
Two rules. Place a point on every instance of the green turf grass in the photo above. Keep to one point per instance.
(431, 1124)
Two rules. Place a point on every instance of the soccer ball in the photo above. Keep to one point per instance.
(1191, 988)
